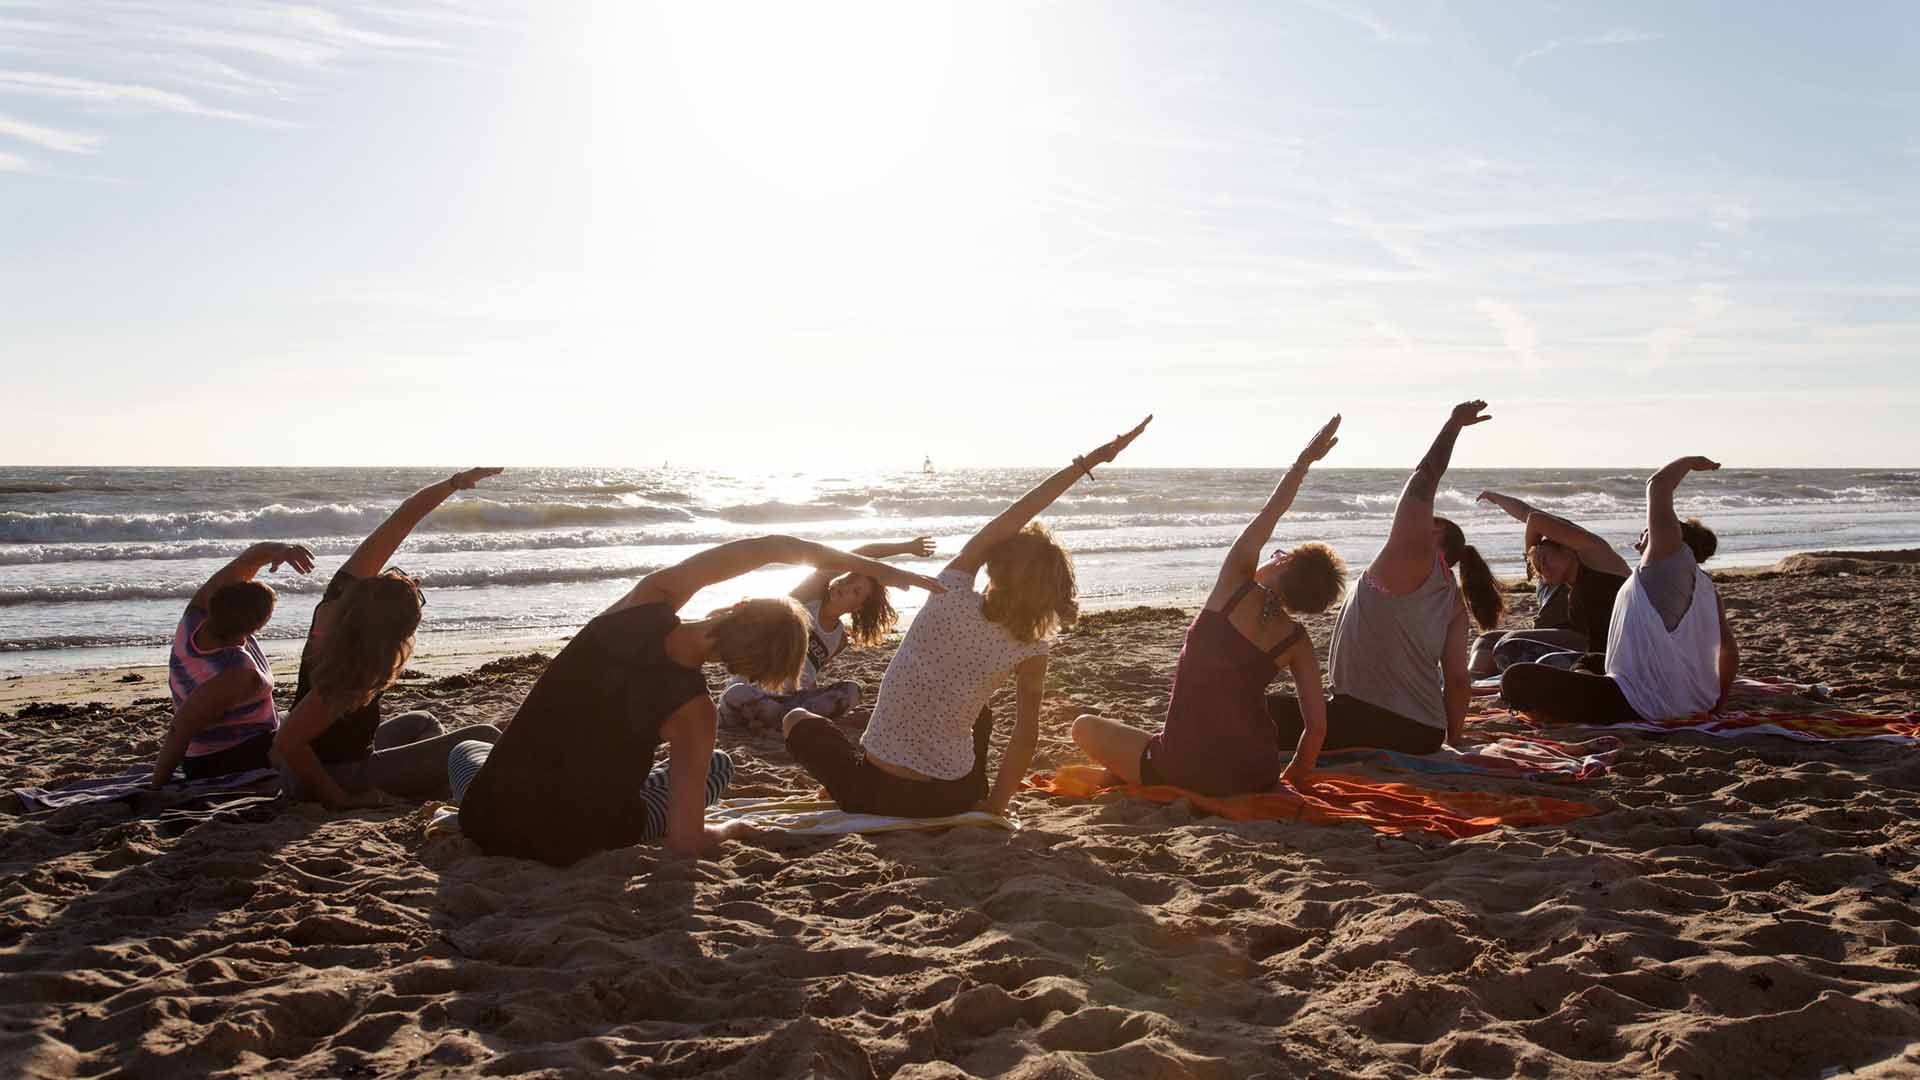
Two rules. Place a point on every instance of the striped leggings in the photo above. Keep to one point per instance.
(464, 761)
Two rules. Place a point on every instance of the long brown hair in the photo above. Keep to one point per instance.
(370, 640)
(1030, 585)
(874, 619)
(764, 641)
(1482, 589)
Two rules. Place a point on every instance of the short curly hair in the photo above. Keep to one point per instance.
(1313, 578)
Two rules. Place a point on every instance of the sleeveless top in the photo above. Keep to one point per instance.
(1590, 602)
(1387, 649)
(1219, 738)
(1665, 673)
(350, 736)
(564, 780)
(189, 667)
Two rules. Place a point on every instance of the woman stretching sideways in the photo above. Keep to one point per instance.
(575, 774)
(1579, 575)
(1670, 651)
(924, 753)
(224, 718)
(831, 603)
(335, 748)
(1399, 655)
(1222, 735)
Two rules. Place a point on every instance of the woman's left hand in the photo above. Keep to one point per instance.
(1323, 441)
(466, 481)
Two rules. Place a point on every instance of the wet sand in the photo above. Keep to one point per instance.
(1744, 908)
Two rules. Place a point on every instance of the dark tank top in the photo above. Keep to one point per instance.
(1219, 738)
(1590, 604)
(564, 781)
(350, 736)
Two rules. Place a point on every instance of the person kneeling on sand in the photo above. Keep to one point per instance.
(574, 773)
(831, 603)
(1579, 575)
(1222, 735)
(1669, 650)
(224, 718)
(924, 752)
(335, 747)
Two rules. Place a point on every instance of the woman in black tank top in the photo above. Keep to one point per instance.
(1563, 556)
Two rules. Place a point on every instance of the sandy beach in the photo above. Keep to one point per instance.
(1741, 908)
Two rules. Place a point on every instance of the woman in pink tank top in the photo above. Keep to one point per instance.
(1219, 738)
(223, 712)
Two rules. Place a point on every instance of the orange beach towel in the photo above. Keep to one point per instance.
(1387, 808)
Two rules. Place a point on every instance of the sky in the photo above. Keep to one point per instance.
(830, 235)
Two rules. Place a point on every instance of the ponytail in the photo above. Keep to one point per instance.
(1482, 589)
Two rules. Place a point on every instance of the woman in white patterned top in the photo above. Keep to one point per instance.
(924, 753)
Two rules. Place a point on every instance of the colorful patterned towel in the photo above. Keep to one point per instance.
(1387, 808)
(1825, 725)
(1508, 757)
(131, 787)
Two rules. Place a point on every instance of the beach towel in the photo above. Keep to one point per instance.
(1509, 758)
(1776, 706)
(1386, 808)
(793, 815)
(131, 787)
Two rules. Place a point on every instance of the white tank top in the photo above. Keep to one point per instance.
(1665, 673)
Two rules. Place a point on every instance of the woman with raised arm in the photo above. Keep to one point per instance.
(831, 603)
(1579, 575)
(574, 774)
(1669, 650)
(335, 748)
(924, 753)
(1398, 662)
(1223, 734)
(224, 717)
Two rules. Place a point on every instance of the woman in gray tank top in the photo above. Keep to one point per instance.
(1398, 663)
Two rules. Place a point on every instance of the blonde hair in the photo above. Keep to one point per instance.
(1030, 585)
(370, 641)
(764, 641)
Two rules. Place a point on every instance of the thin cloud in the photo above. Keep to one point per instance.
(14, 163)
(1356, 15)
(1611, 37)
(67, 142)
(1519, 333)
(125, 95)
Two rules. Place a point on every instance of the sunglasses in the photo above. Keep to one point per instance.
(413, 582)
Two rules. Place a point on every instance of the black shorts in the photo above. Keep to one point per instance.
(238, 758)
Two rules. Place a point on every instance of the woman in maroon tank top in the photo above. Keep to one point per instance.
(1219, 738)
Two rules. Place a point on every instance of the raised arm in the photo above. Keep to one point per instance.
(1030, 683)
(1404, 562)
(676, 584)
(377, 549)
(1244, 557)
(1517, 509)
(1663, 525)
(208, 702)
(1593, 550)
(1015, 517)
(1313, 714)
(249, 563)
(815, 585)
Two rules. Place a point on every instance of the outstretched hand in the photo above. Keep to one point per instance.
(919, 545)
(1467, 414)
(1324, 440)
(466, 481)
(903, 579)
(298, 556)
(1700, 464)
(1110, 449)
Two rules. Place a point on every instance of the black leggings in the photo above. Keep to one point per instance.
(857, 785)
(1565, 697)
(1353, 723)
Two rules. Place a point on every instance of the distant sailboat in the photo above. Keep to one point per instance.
(926, 466)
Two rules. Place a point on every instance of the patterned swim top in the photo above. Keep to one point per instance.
(190, 667)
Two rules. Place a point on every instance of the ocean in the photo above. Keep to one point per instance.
(96, 563)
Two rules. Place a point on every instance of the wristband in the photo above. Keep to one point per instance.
(1086, 470)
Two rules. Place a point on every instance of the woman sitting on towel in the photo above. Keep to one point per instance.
(224, 717)
(831, 603)
(1579, 575)
(574, 774)
(1670, 652)
(335, 748)
(924, 753)
(1219, 738)
(1398, 661)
